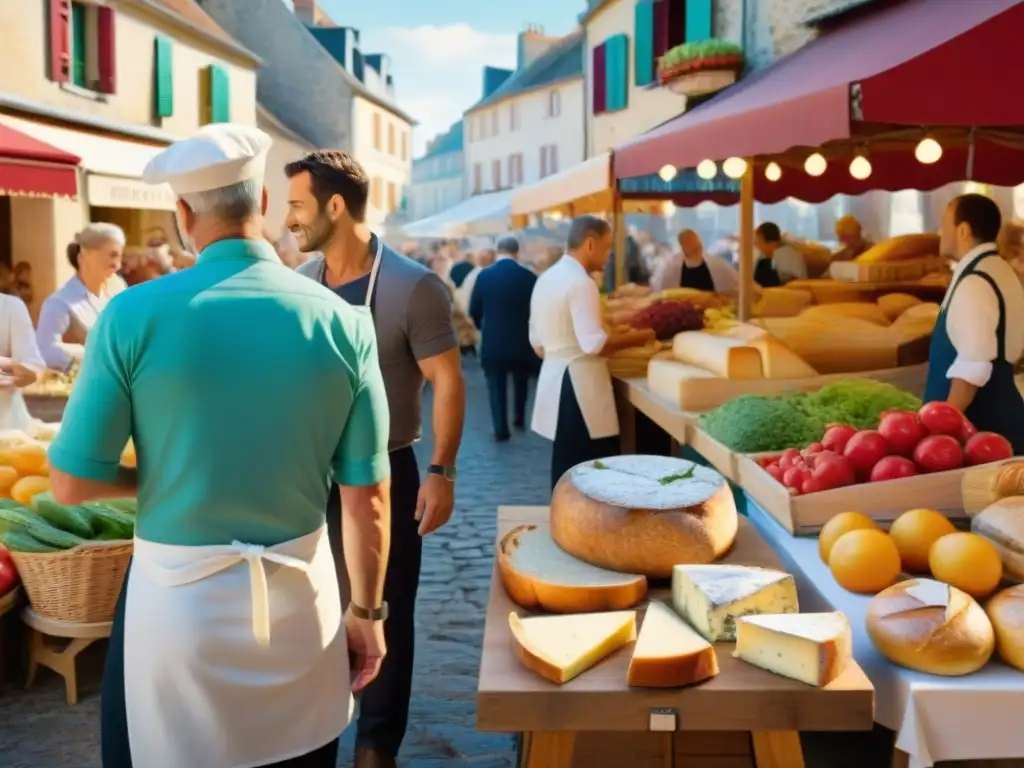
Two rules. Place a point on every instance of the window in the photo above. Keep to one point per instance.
(598, 83)
(163, 78)
(405, 146)
(478, 178)
(515, 169)
(391, 139)
(513, 116)
(215, 96)
(82, 45)
(554, 104)
(496, 174)
(494, 123)
(548, 160)
(680, 21)
(392, 197)
(376, 192)
(481, 127)
(376, 131)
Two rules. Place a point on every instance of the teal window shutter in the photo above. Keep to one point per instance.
(220, 96)
(617, 72)
(698, 20)
(163, 76)
(643, 43)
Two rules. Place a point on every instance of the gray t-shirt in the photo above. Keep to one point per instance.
(412, 312)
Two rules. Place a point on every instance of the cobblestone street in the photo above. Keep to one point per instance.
(40, 731)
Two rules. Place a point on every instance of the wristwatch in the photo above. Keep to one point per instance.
(377, 614)
(448, 473)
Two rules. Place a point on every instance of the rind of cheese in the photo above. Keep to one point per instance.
(723, 356)
(813, 648)
(538, 574)
(645, 482)
(559, 648)
(667, 378)
(713, 597)
(779, 361)
(669, 653)
(1002, 524)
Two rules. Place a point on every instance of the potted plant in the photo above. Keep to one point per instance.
(693, 69)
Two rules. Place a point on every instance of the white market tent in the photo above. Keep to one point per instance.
(485, 214)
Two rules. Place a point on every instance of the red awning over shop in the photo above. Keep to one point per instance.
(31, 168)
(916, 62)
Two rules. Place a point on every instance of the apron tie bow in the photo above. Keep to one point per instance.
(254, 555)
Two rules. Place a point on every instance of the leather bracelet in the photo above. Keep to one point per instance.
(366, 614)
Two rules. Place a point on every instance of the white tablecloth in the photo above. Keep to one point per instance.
(980, 716)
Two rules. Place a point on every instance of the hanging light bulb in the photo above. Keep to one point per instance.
(667, 173)
(707, 169)
(815, 164)
(772, 172)
(668, 209)
(860, 168)
(928, 151)
(735, 167)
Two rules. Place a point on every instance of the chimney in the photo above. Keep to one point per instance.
(494, 78)
(310, 14)
(343, 45)
(532, 44)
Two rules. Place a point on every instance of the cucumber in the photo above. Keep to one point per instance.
(17, 541)
(29, 523)
(66, 518)
(124, 506)
(109, 524)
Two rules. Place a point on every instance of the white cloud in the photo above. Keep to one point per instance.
(438, 70)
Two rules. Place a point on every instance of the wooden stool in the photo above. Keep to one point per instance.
(44, 652)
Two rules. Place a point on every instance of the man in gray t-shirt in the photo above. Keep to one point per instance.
(412, 310)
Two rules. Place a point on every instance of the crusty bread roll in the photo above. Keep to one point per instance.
(928, 626)
(1006, 610)
(538, 575)
(643, 514)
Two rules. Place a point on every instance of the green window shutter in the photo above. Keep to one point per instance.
(643, 43)
(163, 78)
(220, 97)
(79, 45)
(698, 20)
(617, 72)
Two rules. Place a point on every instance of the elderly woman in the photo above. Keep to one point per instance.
(69, 314)
(850, 235)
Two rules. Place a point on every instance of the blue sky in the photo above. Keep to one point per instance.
(438, 47)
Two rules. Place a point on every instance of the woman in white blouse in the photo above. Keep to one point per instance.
(69, 314)
(20, 361)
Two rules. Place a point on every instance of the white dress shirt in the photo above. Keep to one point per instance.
(66, 318)
(17, 344)
(669, 274)
(972, 315)
(789, 263)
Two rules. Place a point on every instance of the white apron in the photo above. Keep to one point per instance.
(592, 383)
(235, 656)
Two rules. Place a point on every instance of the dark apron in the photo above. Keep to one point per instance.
(698, 278)
(997, 406)
(765, 274)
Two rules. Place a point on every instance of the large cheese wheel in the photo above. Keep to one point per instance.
(931, 627)
(1006, 610)
(537, 574)
(723, 356)
(643, 514)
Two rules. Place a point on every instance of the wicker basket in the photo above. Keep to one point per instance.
(79, 585)
(48, 408)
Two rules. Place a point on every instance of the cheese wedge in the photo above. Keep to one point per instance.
(723, 356)
(667, 377)
(779, 361)
(712, 597)
(668, 653)
(558, 648)
(813, 648)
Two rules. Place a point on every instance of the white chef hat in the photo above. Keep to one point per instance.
(218, 155)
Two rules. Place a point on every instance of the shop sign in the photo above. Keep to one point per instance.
(113, 192)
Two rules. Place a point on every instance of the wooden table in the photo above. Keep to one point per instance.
(743, 717)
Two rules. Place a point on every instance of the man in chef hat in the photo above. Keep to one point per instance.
(245, 386)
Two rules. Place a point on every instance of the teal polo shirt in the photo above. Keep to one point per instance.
(244, 385)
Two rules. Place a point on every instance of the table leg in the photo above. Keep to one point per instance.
(547, 749)
(627, 426)
(900, 759)
(35, 649)
(64, 662)
(777, 749)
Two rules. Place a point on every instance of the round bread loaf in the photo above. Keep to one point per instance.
(643, 514)
(1006, 610)
(931, 627)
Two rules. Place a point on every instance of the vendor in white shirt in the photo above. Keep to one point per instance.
(691, 267)
(779, 262)
(979, 335)
(69, 314)
(20, 361)
(574, 405)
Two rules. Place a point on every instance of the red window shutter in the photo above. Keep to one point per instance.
(600, 80)
(60, 43)
(662, 13)
(106, 46)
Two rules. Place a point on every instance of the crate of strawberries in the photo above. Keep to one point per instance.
(911, 459)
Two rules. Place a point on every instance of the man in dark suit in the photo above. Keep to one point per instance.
(500, 307)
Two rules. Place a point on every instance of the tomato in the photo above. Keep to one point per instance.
(837, 436)
(788, 458)
(941, 418)
(938, 453)
(969, 431)
(817, 458)
(814, 485)
(833, 472)
(864, 450)
(902, 431)
(795, 476)
(893, 468)
(987, 446)
(811, 449)
(775, 471)
(8, 573)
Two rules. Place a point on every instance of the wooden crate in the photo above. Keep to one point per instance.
(883, 502)
(718, 455)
